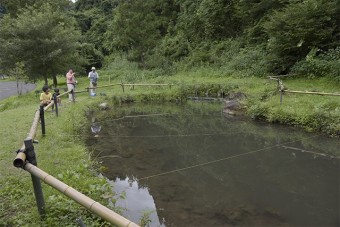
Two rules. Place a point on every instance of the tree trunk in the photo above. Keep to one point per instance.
(55, 82)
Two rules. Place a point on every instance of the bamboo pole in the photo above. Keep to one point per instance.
(49, 105)
(123, 85)
(109, 85)
(20, 159)
(148, 84)
(88, 88)
(80, 198)
(93, 206)
(62, 94)
(312, 93)
(77, 92)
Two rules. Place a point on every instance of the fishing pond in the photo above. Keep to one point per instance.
(191, 165)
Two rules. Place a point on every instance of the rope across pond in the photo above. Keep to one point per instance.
(224, 159)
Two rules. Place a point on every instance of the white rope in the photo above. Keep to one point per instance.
(135, 116)
(222, 159)
(178, 135)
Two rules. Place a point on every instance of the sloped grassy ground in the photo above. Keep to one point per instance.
(62, 152)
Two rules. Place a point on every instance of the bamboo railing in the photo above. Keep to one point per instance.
(311, 93)
(26, 159)
(80, 198)
(123, 86)
(282, 90)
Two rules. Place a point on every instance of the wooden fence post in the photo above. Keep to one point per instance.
(42, 120)
(31, 158)
(55, 98)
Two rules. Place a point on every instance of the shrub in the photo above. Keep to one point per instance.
(326, 64)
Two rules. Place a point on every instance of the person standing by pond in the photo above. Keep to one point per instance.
(93, 75)
(71, 84)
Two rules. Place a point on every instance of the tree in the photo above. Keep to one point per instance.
(94, 17)
(20, 76)
(300, 27)
(43, 38)
(137, 28)
(13, 6)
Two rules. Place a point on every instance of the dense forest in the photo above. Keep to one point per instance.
(244, 37)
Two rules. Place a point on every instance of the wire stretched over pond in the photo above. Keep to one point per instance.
(311, 152)
(142, 115)
(222, 159)
(135, 116)
(178, 135)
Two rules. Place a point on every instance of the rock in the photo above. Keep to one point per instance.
(104, 106)
(233, 104)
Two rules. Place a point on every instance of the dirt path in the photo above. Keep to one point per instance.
(9, 88)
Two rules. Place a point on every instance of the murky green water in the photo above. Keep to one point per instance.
(192, 166)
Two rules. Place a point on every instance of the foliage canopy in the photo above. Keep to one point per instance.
(274, 34)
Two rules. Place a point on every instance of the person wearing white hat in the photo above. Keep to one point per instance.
(93, 75)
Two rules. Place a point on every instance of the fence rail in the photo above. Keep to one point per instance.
(123, 86)
(312, 93)
(26, 159)
(282, 89)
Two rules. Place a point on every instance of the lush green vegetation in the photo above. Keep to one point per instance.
(247, 38)
(73, 165)
(204, 47)
(61, 153)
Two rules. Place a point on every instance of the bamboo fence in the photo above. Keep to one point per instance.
(20, 161)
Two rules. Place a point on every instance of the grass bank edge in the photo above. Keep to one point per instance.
(263, 98)
(72, 164)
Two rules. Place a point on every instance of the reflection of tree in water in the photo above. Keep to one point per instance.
(241, 191)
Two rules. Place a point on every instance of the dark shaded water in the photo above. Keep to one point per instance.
(192, 166)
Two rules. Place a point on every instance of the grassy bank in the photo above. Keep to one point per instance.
(62, 152)
(312, 112)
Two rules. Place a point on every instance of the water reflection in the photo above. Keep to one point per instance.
(202, 169)
(139, 201)
(95, 128)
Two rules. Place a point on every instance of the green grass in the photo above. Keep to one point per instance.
(311, 112)
(63, 154)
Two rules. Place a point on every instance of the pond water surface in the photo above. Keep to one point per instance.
(192, 166)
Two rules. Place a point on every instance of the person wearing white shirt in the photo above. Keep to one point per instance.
(93, 75)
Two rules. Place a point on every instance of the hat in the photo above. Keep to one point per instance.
(93, 68)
